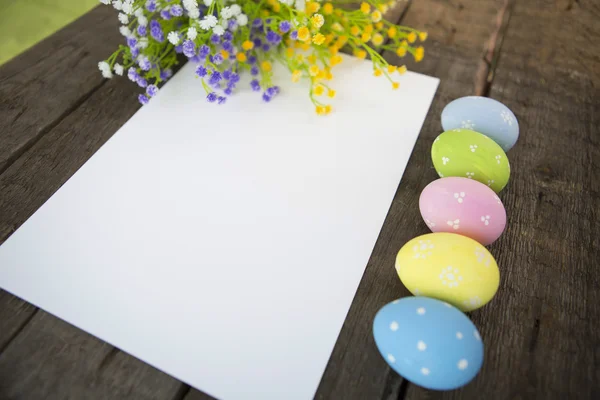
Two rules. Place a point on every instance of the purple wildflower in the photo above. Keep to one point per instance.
(228, 91)
(215, 39)
(132, 74)
(294, 35)
(164, 14)
(201, 71)
(141, 82)
(166, 74)
(143, 99)
(273, 37)
(141, 30)
(257, 23)
(135, 52)
(215, 78)
(257, 42)
(255, 85)
(272, 91)
(217, 58)
(227, 74)
(151, 6)
(285, 26)
(268, 21)
(131, 42)
(235, 78)
(204, 51)
(211, 97)
(251, 59)
(254, 70)
(156, 31)
(179, 49)
(176, 10)
(189, 48)
(266, 97)
(154, 24)
(144, 63)
(196, 59)
(266, 47)
(151, 90)
(232, 25)
(227, 36)
(221, 100)
(227, 46)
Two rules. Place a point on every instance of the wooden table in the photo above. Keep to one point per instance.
(541, 331)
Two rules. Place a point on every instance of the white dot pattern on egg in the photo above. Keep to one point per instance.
(431, 342)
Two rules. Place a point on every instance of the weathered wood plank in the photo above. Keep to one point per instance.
(41, 86)
(356, 370)
(541, 330)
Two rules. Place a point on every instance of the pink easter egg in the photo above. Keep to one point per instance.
(463, 206)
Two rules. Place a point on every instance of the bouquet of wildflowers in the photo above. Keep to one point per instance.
(225, 38)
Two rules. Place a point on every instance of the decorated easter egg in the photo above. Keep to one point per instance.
(484, 115)
(428, 342)
(469, 154)
(463, 206)
(449, 267)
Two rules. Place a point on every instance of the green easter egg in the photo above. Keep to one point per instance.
(469, 154)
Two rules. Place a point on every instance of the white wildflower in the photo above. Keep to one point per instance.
(105, 69)
(218, 30)
(287, 2)
(123, 18)
(242, 19)
(138, 12)
(142, 21)
(125, 31)
(189, 4)
(192, 33)
(226, 13)
(142, 43)
(207, 3)
(209, 21)
(118, 5)
(118, 69)
(300, 5)
(173, 37)
(194, 13)
(128, 7)
(236, 9)
(105, 2)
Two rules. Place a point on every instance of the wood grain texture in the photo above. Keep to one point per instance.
(43, 85)
(541, 331)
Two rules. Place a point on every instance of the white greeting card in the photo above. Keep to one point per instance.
(224, 244)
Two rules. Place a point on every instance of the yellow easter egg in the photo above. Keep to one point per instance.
(449, 267)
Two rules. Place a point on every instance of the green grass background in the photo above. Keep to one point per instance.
(23, 23)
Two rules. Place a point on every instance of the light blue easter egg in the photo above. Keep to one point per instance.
(483, 115)
(428, 342)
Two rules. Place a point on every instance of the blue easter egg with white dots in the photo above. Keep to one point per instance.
(428, 342)
(483, 115)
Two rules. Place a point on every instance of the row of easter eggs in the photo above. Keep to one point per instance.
(427, 339)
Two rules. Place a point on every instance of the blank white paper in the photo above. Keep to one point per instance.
(224, 244)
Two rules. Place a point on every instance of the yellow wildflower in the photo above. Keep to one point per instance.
(289, 52)
(402, 70)
(360, 53)
(422, 36)
(303, 34)
(412, 37)
(313, 70)
(320, 110)
(368, 29)
(265, 13)
(419, 53)
(241, 57)
(379, 25)
(395, 85)
(276, 7)
(354, 30)
(318, 39)
(333, 50)
(391, 69)
(266, 66)
(342, 40)
(320, 75)
(225, 54)
(365, 37)
(317, 21)
(312, 7)
(377, 39)
(247, 45)
(338, 12)
(329, 38)
(327, 8)
(327, 109)
(331, 93)
(312, 59)
(377, 72)
(336, 26)
(296, 75)
(401, 52)
(383, 8)
(392, 32)
(335, 60)
(318, 90)
(305, 46)
(300, 58)
(328, 75)
(365, 8)
(376, 16)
